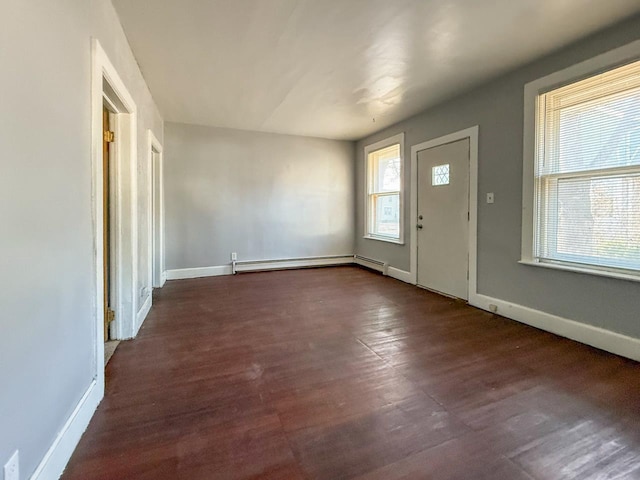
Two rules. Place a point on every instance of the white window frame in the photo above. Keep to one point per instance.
(387, 142)
(607, 61)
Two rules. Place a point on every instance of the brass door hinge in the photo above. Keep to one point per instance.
(111, 316)
(109, 136)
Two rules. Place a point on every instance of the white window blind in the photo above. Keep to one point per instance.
(587, 171)
(384, 183)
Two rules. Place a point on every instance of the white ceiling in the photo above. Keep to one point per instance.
(327, 68)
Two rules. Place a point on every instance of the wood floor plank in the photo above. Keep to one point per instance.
(359, 444)
(341, 373)
(481, 462)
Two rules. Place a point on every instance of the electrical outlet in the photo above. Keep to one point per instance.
(234, 256)
(12, 467)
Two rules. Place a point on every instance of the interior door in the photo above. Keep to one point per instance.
(107, 138)
(443, 218)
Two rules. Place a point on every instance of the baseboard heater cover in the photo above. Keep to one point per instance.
(286, 263)
(372, 264)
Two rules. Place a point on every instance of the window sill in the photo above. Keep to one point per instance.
(383, 239)
(585, 270)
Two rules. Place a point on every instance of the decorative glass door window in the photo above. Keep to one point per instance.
(440, 175)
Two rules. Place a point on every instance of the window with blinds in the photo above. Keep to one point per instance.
(587, 172)
(384, 170)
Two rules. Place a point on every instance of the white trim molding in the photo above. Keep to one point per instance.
(607, 340)
(368, 149)
(125, 173)
(156, 211)
(532, 90)
(198, 272)
(610, 273)
(383, 267)
(259, 265)
(472, 134)
(401, 275)
(144, 311)
(55, 460)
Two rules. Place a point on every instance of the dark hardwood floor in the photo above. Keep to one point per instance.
(340, 373)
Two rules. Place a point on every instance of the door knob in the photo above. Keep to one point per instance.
(419, 226)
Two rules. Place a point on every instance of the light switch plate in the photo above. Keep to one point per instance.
(490, 197)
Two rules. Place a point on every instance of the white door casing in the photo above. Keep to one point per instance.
(156, 202)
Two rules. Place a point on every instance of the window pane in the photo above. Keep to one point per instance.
(386, 170)
(599, 220)
(386, 215)
(604, 133)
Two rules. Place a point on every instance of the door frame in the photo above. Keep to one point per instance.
(106, 85)
(472, 134)
(157, 273)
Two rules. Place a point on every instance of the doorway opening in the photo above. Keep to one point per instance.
(156, 202)
(108, 138)
(114, 193)
(444, 174)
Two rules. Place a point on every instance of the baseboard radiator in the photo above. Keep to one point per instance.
(372, 264)
(287, 263)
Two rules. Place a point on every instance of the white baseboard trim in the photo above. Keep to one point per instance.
(625, 346)
(55, 460)
(384, 268)
(293, 263)
(144, 311)
(607, 340)
(258, 265)
(401, 275)
(184, 273)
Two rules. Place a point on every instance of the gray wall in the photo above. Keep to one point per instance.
(264, 196)
(497, 107)
(47, 316)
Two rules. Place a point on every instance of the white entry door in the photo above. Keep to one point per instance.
(443, 219)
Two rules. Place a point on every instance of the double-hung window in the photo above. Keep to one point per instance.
(384, 203)
(586, 173)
